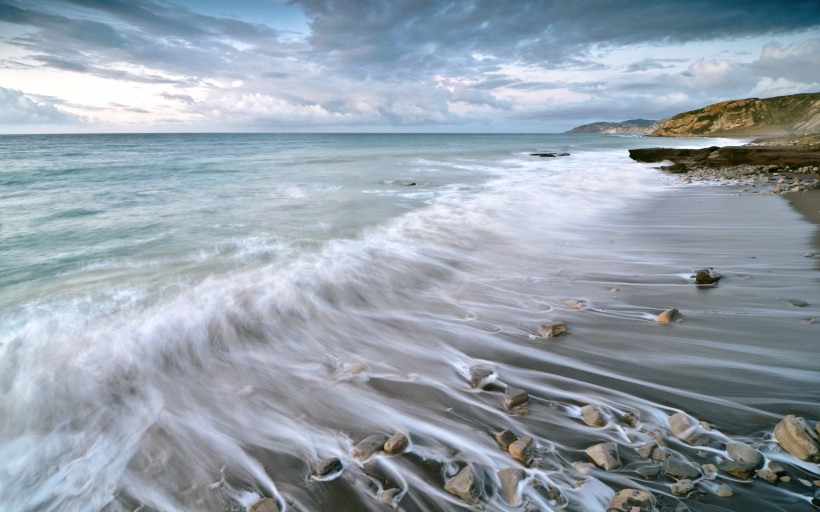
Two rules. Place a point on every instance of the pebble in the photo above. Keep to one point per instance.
(464, 485)
(551, 329)
(396, 444)
(706, 277)
(709, 471)
(521, 449)
(798, 303)
(605, 455)
(649, 472)
(510, 478)
(369, 445)
(666, 316)
(768, 475)
(651, 450)
(328, 467)
(264, 505)
(593, 416)
(513, 397)
(505, 438)
(630, 418)
(777, 468)
(481, 375)
(682, 487)
(630, 500)
(724, 491)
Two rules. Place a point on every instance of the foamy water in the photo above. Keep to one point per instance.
(193, 322)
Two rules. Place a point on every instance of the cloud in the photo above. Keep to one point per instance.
(18, 108)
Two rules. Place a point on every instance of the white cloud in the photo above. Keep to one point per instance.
(19, 109)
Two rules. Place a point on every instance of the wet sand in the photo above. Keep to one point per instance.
(808, 205)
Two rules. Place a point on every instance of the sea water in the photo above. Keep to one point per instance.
(193, 321)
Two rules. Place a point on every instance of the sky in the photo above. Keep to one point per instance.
(391, 65)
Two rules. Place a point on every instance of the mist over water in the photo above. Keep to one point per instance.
(191, 322)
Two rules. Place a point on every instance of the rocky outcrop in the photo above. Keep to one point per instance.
(630, 127)
(715, 157)
(797, 113)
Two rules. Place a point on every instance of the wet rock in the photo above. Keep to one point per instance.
(549, 155)
(481, 375)
(777, 468)
(464, 485)
(521, 449)
(630, 418)
(724, 491)
(767, 474)
(649, 472)
(264, 505)
(667, 316)
(709, 470)
(796, 437)
(706, 277)
(510, 478)
(593, 416)
(369, 445)
(678, 469)
(390, 497)
(576, 303)
(396, 444)
(605, 455)
(513, 397)
(682, 487)
(737, 469)
(687, 430)
(798, 303)
(505, 438)
(651, 450)
(744, 453)
(552, 329)
(632, 500)
(328, 467)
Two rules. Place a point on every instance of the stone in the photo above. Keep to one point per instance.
(390, 497)
(605, 455)
(552, 329)
(264, 505)
(464, 485)
(632, 500)
(666, 316)
(513, 397)
(777, 468)
(396, 444)
(481, 375)
(630, 418)
(521, 449)
(369, 445)
(549, 155)
(737, 469)
(651, 450)
(709, 470)
(680, 470)
(687, 430)
(510, 478)
(795, 436)
(648, 472)
(328, 467)
(724, 491)
(798, 303)
(505, 438)
(744, 453)
(682, 487)
(593, 416)
(706, 277)
(768, 475)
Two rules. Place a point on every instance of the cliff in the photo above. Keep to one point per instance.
(631, 127)
(781, 115)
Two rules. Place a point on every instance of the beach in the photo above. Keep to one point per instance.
(417, 322)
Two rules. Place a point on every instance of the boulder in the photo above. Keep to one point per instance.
(513, 397)
(328, 467)
(605, 455)
(509, 479)
(505, 438)
(552, 329)
(396, 444)
(745, 454)
(632, 500)
(682, 487)
(369, 445)
(264, 505)
(464, 485)
(798, 438)
(679, 470)
(593, 416)
(481, 375)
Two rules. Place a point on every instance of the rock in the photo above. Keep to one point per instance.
(328, 467)
(510, 478)
(264, 505)
(369, 445)
(706, 277)
(666, 316)
(651, 450)
(396, 444)
(552, 329)
(798, 303)
(505, 438)
(513, 397)
(709, 470)
(737, 469)
(521, 449)
(593, 416)
(632, 500)
(777, 468)
(390, 497)
(464, 485)
(768, 475)
(797, 438)
(549, 155)
(744, 453)
(605, 455)
(687, 430)
(724, 491)
(675, 168)
(648, 472)
(630, 418)
(576, 303)
(678, 469)
(682, 487)
(481, 375)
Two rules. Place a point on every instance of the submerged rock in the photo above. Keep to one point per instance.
(552, 329)
(593, 416)
(328, 467)
(369, 445)
(510, 478)
(390, 497)
(682, 487)
(513, 397)
(648, 472)
(481, 375)
(678, 469)
(796, 437)
(464, 485)
(724, 491)
(632, 500)
(264, 505)
(737, 469)
(396, 444)
(605, 455)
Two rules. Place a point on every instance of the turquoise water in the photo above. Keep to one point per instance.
(189, 322)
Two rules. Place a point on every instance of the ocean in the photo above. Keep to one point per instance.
(194, 321)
